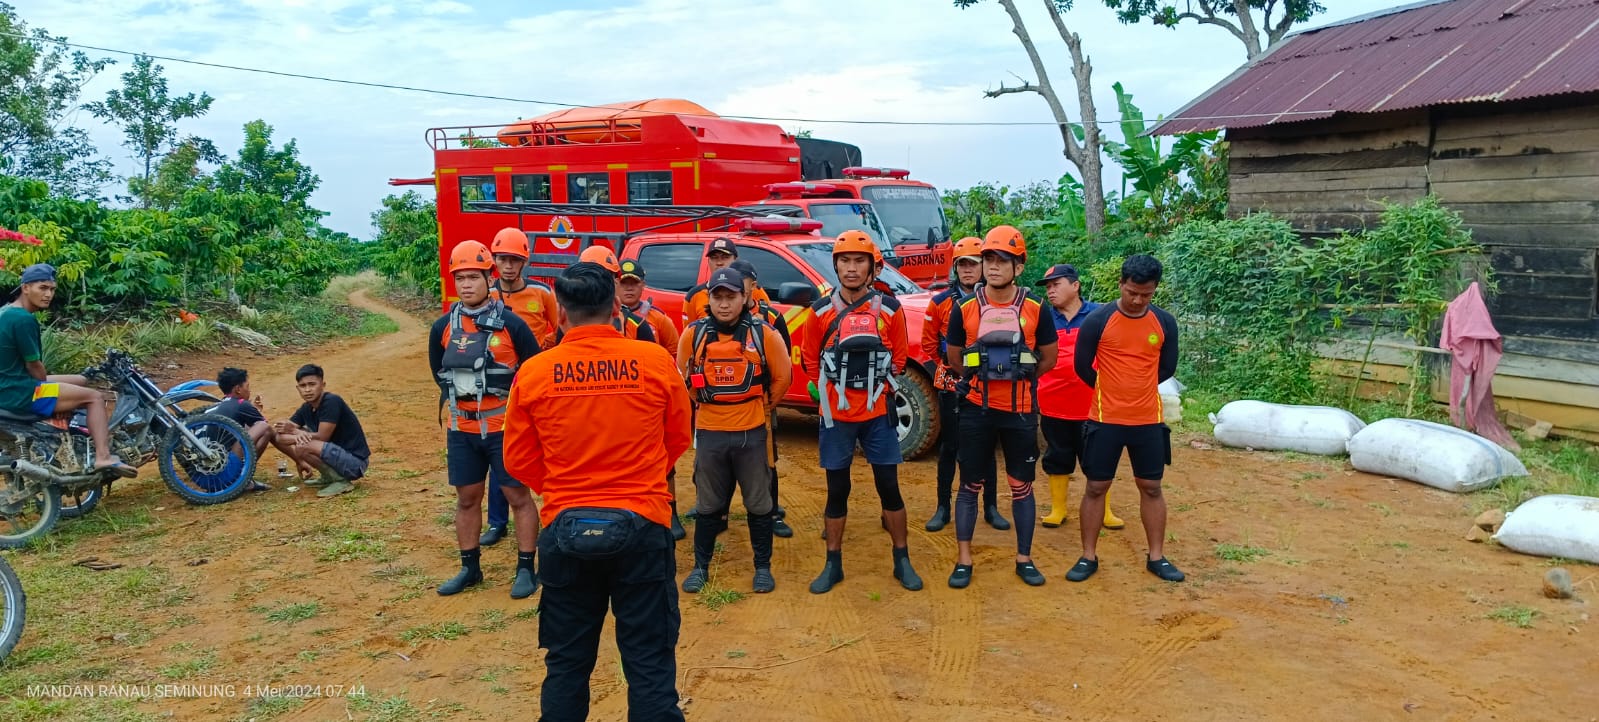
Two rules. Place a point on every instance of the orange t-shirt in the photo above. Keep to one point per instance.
(890, 326)
(1038, 332)
(594, 377)
(752, 413)
(1125, 358)
(534, 304)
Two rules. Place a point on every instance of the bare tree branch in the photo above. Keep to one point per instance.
(1092, 165)
(1004, 89)
(1213, 20)
(1074, 150)
(1246, 23)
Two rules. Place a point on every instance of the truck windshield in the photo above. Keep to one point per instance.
(839, 217)
(820, 257)
(908, 212)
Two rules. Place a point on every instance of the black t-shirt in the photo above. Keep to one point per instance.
(240, 410)
(347, 431)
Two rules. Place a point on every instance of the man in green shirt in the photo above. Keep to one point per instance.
(25, 388)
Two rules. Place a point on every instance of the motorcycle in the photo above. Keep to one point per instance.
(13, 611)
(204, 458)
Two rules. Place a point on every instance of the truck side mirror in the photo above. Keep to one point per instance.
(932, 238)
(795, 293)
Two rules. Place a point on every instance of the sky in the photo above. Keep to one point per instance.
(922, 60)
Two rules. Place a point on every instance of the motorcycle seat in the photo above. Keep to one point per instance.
(26, 418)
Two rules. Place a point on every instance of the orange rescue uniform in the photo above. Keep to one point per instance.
(665, 331)
(1038, 332)
(510, 346)
(535, 305)
(890, 327)
(749, 414)
(596, 375)
(698, 298)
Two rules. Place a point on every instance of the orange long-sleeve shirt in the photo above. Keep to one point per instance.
(550, 439)
(890, 326)
(534, 304)
(753, 413)
(935, 327)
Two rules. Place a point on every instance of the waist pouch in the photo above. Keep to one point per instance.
(600, 533)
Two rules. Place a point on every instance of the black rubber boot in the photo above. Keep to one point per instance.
(831, 574)
(991, 515)
(904, 572)
(469, 576)
(492, 536)
(939, 520)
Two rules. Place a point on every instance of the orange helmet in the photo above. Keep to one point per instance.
(1005, 239)
(510, 242)
(968, 247)
(602, 256)
(471, 256)
(857, 242)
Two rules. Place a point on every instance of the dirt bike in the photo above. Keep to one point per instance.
(204, 458)
(13, 609)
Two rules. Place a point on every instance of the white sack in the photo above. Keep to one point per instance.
(1171, 400)
(1281, 427)
(1556, 525)
(1439, 456)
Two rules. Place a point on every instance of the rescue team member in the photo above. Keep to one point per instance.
(323, 434)
(737, 370)
(1001, 339)
(630, 325)
(630, 289)
(719, 253)
(25, 387)
(1063, 398)
(765, 312)
(968, 273)
(606, 502)
(237, 404)
(474, 351)
(533, 303)
(856, 344)
(1124, 350)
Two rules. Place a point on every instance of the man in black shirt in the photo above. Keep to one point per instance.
(323, 434)
(237, 404)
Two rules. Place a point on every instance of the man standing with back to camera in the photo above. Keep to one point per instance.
(607, 542)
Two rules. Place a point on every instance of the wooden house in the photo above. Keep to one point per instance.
(1490, 105)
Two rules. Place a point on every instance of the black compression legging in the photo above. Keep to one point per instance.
(885, 476)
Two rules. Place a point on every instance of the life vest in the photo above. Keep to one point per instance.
(729, 368)
(998, 350)
(854, 355)
(469, 369)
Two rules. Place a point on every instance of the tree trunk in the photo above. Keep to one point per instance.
(1085, 155)
(1246, 25)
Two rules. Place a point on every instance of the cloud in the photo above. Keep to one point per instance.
(810, 59)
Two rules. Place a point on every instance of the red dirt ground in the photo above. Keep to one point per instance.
(1368, 604)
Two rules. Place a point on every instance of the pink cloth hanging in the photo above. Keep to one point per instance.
(1470, 335)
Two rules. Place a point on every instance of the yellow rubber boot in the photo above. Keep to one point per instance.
(1057, 498)
(1111, 520)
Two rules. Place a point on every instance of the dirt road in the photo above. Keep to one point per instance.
(1345, 596)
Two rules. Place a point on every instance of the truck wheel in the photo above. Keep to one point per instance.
(916, 415)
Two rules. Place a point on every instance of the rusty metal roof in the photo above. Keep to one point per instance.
(1458, 51)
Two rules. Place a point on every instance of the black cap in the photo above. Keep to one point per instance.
(632, 268)
(722, 245)
(746, 268)
(725, 278)
(1059, 270)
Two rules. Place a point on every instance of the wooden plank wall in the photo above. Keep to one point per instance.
(1332, 175)
(1526, 180)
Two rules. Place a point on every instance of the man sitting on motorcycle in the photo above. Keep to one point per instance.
(25, 387)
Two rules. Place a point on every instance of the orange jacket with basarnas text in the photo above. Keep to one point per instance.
(890, 327)
(596, 376)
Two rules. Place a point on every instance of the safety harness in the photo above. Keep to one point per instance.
(469, 369)
(999, 351)
(855, 356)
(729, 365)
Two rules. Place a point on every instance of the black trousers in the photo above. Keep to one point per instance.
(640, 588)
(949, 436)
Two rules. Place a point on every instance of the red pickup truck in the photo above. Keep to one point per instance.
(795, 269)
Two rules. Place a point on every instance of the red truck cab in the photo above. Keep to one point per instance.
(911, 213)
(795, 269)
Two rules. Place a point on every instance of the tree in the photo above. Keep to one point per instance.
(177, 172)
(1235, 16)
(408, 239)
(148, 112)
(1080, 141)
(275, 172)
(39, 86)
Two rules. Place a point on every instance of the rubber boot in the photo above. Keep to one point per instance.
(991, 515)
(1058, 484)
(1111, 520)
(832, 573)
(939, 520)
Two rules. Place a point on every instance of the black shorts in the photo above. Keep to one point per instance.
(983, 429)
(470, 456)
(1148, 449)
(1063, 444)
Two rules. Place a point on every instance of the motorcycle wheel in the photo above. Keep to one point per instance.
(30, 517)
(203, 478)
(14, 612)
(77, 503)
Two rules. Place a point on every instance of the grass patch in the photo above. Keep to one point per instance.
(1240, 553)
(340, 544)
(714, 598)
(382, 709)
(290, 613)
(191, 667)
(491, 620)
(265, 708)
(737, 654)
(445, 631)
(1557, 467)
(1515, 615)
(375, 324)
(526, 614)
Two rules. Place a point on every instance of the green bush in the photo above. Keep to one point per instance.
(407, 242)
